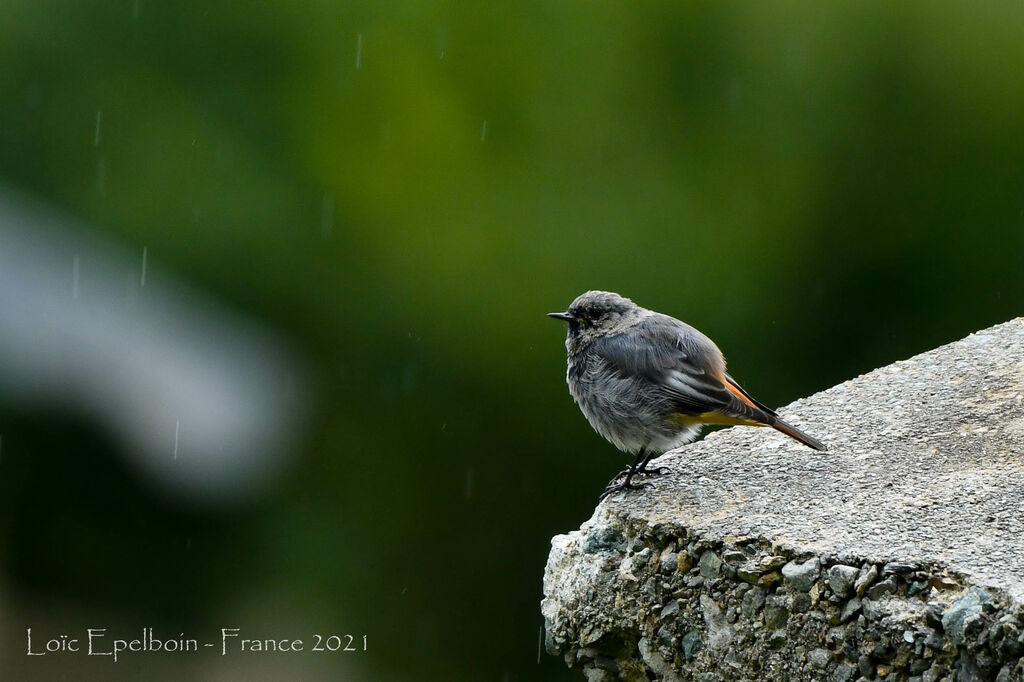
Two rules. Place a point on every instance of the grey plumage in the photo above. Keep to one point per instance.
(648, 382)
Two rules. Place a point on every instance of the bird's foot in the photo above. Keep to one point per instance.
(627, 484)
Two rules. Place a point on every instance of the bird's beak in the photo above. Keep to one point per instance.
(564, 317)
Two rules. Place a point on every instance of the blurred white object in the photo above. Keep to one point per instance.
(203, 398)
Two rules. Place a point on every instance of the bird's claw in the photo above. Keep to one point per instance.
(614, 487)
(652, 471)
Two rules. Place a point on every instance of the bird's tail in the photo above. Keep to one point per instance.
(799, 435)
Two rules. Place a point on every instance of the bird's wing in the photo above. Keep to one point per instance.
(681, 365)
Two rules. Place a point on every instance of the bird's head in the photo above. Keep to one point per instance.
(596, 313)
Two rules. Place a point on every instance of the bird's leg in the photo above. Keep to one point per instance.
(654, 471)
(627, 483)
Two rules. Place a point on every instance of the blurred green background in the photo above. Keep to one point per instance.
(403, 190)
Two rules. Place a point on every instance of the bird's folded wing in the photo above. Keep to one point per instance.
(679, 369)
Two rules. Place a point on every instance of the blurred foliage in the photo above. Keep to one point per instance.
(406, 188)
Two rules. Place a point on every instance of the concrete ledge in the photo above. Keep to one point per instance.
(898, 555)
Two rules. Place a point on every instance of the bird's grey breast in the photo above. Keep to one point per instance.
(616, 385)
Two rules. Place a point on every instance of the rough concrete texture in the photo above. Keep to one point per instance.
(898, 555)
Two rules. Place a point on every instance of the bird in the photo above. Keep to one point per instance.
(648, 382)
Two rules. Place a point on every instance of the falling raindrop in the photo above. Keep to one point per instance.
(135, 10)
(74, 276)
(327, 215)
(483, 131)
(540, 641)
(142, 277)
(359, 49)
(96, 132)
(177, 428)
(442, 41)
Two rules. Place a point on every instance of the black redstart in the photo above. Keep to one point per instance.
(648, 382)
